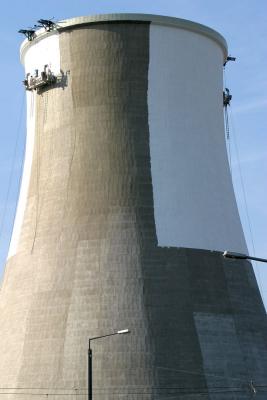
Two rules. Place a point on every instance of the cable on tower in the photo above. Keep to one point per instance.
(227, 130)
(245, 199)
(12, 171)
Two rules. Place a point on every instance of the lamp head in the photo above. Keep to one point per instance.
(123, 331)
(231, 254)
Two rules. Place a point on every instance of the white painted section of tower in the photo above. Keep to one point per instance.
(44, 52)
(194, 201)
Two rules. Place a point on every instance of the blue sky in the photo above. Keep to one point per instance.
(244, 25)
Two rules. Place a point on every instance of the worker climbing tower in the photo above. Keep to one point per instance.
(126, 206)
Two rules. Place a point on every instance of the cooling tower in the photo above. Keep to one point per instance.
(125, 208)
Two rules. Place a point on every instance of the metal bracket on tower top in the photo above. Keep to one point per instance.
(227, 97)
(229, 58)
(29, 33)
(47, 24)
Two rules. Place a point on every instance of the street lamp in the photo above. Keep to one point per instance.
(240, 256)
(90, 370)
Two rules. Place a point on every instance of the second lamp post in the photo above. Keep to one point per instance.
(90, 355)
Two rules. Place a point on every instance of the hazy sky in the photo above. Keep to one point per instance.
(243, 23)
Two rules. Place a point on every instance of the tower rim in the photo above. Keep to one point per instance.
(128, 17)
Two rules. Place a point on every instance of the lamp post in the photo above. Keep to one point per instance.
(240, 256)
(90, 370)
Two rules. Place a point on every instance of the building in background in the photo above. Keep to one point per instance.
(125, 208)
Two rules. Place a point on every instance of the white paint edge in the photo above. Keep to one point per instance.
(27, 169)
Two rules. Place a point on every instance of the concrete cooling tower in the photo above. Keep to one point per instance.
(126, 206)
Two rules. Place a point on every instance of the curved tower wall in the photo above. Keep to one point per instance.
(194, 201)
(125, 206)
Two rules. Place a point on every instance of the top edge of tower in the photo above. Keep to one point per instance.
(150, 18)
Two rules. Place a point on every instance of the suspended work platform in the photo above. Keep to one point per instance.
(37, 81)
